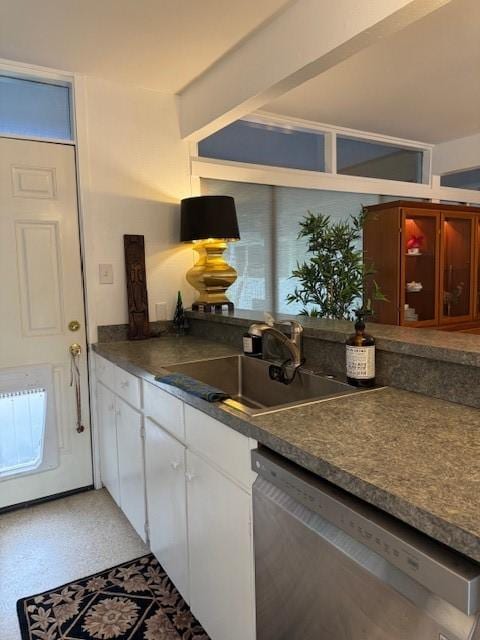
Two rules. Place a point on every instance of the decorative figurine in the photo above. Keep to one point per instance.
(180, 322)
(138, 321)
(414, 245)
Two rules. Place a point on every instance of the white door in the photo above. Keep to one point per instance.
(220, 552)
(41, 451)
(130, 465)
(167, 503)
(108, 441)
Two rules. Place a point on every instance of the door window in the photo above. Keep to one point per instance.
(22, 420)
(28, 430)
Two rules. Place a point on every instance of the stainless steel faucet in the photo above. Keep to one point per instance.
(294, 344)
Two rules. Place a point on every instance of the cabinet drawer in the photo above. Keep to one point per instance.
(127, 387)
(104, 371)
(226, 448)
(164, 409)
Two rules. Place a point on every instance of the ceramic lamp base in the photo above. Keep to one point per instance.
(211, 276)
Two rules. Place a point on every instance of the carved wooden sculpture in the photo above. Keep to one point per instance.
(138, 322)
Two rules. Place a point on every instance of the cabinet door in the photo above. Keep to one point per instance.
(107, 436)
(419, 299)
(457, 267)
(104, 371)
(167, 503)
(477, 273)
(130, 465)
(220, 552)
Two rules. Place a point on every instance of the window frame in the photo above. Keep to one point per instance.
(430, 189)
(458, 172)
(44, 77)
(394, 147)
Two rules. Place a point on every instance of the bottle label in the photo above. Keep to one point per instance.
(361, 362)
(247, 344)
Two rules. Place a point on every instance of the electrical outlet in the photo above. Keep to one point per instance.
(105, 273)
(160, 310)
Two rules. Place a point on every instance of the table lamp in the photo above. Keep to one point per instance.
(210, 222)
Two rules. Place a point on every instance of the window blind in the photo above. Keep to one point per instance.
(252, 254)
(269, 248)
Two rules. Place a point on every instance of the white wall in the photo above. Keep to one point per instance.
(455, 155)
(134, 169)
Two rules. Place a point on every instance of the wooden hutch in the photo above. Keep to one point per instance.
(427, 262)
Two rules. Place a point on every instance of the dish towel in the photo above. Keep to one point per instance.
(195, 387)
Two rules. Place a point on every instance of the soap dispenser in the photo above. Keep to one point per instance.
(360, 356)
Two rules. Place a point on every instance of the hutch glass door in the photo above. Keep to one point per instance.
(457, 267)
(477, 287)
(420, 268)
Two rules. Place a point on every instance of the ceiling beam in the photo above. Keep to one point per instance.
(297, 44)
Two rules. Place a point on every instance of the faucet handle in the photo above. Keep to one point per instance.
(296, 335)
(257, 328)
(296, 327)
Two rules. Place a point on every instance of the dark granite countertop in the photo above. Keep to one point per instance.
(415, 457)
(446, 346)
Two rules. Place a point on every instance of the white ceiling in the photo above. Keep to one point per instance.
(158, 44)
(423, 83)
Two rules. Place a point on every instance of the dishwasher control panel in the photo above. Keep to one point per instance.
(441, 570)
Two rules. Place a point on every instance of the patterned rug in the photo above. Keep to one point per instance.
(132, 601)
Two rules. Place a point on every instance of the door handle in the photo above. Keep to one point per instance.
(75, 349)
(74, 325)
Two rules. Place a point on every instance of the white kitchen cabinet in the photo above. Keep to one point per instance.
(190, 475)
(166, 500)
(127, 387)
(131, 465)
(108, 441)
(220, 552)
(164, 409)
(104, 371)
(227, 449)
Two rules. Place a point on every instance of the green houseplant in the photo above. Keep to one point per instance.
(336, 278)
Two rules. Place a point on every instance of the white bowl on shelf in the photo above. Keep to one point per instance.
(414, 287)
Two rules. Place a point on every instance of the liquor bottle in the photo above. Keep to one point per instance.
(360, 348)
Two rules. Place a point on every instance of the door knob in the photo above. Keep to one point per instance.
(74, 325)
(75, 349)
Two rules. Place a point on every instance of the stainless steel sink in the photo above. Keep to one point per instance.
(251, 390)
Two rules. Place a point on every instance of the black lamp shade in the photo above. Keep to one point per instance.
(206, 217)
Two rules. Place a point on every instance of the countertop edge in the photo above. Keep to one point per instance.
(440, 530)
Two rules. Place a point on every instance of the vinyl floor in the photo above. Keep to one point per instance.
(50, 544)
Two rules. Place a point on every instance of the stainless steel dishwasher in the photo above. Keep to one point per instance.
(331, 567)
